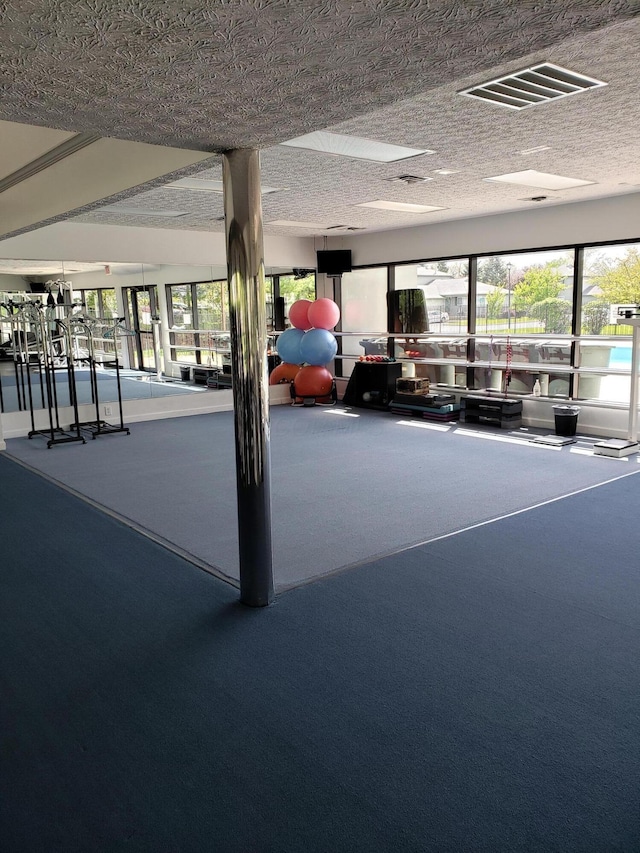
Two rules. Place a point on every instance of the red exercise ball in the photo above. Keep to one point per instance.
(284, 372)
(313, 381)
(298, 315)
(323, 314)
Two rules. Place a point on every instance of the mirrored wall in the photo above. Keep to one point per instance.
(139, 330)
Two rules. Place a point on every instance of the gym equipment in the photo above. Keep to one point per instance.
(49, 342)
(323, 314)
(628, 315)
(372, 385)
(313, 385)
(317, 347)
(288, 346)
(299, 314)
(89, 329)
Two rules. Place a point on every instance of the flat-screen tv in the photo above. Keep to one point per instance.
(334, 261)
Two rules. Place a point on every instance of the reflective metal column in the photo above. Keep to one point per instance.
(247, 308)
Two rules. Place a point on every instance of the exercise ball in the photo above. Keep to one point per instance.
(313, 381)
(323, 313)
(288, 346)
(284, 372)
(317, 347)
(298, 314)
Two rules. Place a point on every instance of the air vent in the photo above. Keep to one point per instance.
(532, 86)
(343, 228)
(410, 179)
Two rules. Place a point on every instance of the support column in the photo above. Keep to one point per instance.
(248, 324)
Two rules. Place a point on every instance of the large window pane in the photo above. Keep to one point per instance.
(213, 305)
(611, 278)
(445, 285)
(364, 315)
(181, 307)
(293, 288)
(100, 302)
(188, 341)
(91, 302)
(443, 314)
(608, 388)
(108, 303)
(528, 293)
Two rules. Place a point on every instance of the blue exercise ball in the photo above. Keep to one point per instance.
(288, 346)
(318, 346)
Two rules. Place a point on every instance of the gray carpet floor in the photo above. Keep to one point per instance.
(345, 489)
(478, 694)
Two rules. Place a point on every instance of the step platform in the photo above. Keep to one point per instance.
(430, 407)
(616, 447)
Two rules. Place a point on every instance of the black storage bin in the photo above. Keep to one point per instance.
(566, 419)
(185, 374)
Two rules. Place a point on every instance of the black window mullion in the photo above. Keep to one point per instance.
(195, 321)
(472, 314)
(576, 319)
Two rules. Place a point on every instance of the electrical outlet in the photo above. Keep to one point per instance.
(108, 410)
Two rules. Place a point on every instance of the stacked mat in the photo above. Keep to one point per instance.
(431, 407)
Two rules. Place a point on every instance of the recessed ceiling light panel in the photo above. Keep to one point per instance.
(540, 180)
(290, 223)
(536, 150)
(208, 185)
(532, 86)
(354, 146)
(401, 206)
(141, 211)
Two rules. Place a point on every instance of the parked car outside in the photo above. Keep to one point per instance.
(437, 316)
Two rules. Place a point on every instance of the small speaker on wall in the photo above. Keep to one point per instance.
(279, 314)
(334, 261)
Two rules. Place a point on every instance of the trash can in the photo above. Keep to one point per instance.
(566, 419)
(185, 374)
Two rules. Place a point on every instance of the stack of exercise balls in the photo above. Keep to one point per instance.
(307, 347)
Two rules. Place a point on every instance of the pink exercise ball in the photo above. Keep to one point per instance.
(298, 314)
(323, 313)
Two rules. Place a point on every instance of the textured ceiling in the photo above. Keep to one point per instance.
(252, 74)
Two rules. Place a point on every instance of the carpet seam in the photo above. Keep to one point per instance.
(132, 525)
(383, 555)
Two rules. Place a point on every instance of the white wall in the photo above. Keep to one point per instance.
(558, 225)
(75, 241)
(12, 283)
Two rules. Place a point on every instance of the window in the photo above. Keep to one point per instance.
(364, 315)
(292, 288)
(199, 312)
(528, 293)
(181, 307)
(100, 302)
(611, 278)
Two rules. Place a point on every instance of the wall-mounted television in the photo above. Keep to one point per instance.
(334, 261)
